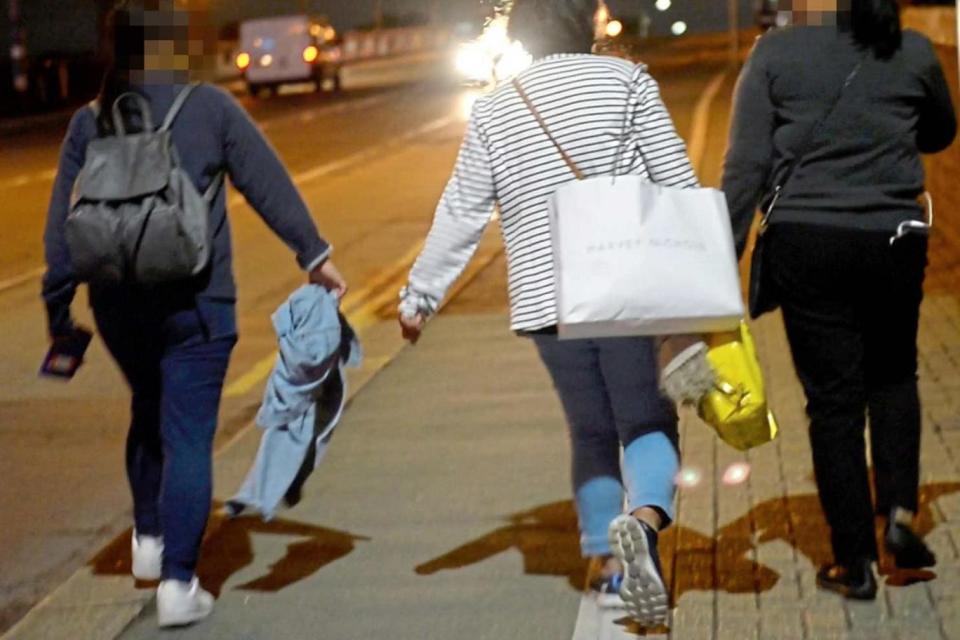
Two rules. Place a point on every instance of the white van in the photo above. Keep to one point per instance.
(288, 50)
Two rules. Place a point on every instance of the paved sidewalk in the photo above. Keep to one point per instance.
(443, 512)
(745, 557)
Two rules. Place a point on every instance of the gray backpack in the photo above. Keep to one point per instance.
(135, 215)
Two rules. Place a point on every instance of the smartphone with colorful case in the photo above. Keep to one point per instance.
(66, 355)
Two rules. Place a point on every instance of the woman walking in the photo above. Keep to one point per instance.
(592, 107)
(832, 114)
(173, 341)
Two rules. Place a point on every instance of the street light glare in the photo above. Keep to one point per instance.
(663, 5)
(679, 28)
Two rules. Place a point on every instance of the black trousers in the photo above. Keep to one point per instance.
(851, 307)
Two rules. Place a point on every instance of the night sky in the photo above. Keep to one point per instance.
(702, 15)
(70, 25)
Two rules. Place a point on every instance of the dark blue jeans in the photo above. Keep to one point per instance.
(611, 397)
(176, 372)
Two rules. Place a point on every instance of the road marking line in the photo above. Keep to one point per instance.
(304, 117)
(24, 179)
(298, 179)
(362, 308)
(333, 109)
(23, 278)
(16, 181)
(375, 152)
(360, 311)
(355, 308)
(598, 623)
(700, 130)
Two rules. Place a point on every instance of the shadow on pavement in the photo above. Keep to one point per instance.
(548, 538)
(228, 549)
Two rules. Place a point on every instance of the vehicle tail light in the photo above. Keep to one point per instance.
(310, 54)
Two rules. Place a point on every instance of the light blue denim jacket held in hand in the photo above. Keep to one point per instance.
(304, 397)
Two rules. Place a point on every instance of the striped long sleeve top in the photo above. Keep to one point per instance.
(592, 105)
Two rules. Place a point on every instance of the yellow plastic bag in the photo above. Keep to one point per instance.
(737, 409)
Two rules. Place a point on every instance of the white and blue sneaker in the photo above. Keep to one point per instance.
(643, 590)
(182, 603)
(147, 553)
(606, 591)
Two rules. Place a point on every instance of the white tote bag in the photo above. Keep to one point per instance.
(632, 258)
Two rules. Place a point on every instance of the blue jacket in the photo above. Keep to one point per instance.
(212, 134)
(303, 400)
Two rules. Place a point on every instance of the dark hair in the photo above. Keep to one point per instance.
(876, 25)
(125, 33)
(123, 44)
(546, 27)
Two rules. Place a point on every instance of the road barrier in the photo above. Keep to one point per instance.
(357, 46)
(382, 43)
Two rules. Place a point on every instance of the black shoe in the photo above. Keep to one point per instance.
(908, 549)
(855, 582)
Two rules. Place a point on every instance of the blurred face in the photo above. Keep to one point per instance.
(176, 43)
(815, 12)
(816, 5)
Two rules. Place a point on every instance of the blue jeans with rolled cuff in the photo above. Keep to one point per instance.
(610, 393)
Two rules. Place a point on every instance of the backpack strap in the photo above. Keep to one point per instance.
(177, 105)
(144, 107)
(211, 193)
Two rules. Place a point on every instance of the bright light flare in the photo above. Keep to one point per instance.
(689, 478)
(493, 56)
(266, 60)
(467, 100)
(512, 61)
(495, 37)
(614, 28)
(473, 62)
(603, 13)
(737, 473)
(243, 60)
(679, 28)
(310, 54)
(663, 5)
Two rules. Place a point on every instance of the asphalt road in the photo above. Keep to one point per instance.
(370, 162)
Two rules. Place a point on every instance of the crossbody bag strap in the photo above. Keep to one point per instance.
(808, 146)
(543, 125)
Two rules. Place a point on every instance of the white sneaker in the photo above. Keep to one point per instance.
(634, 543)
(147, 554)
(182, 603)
